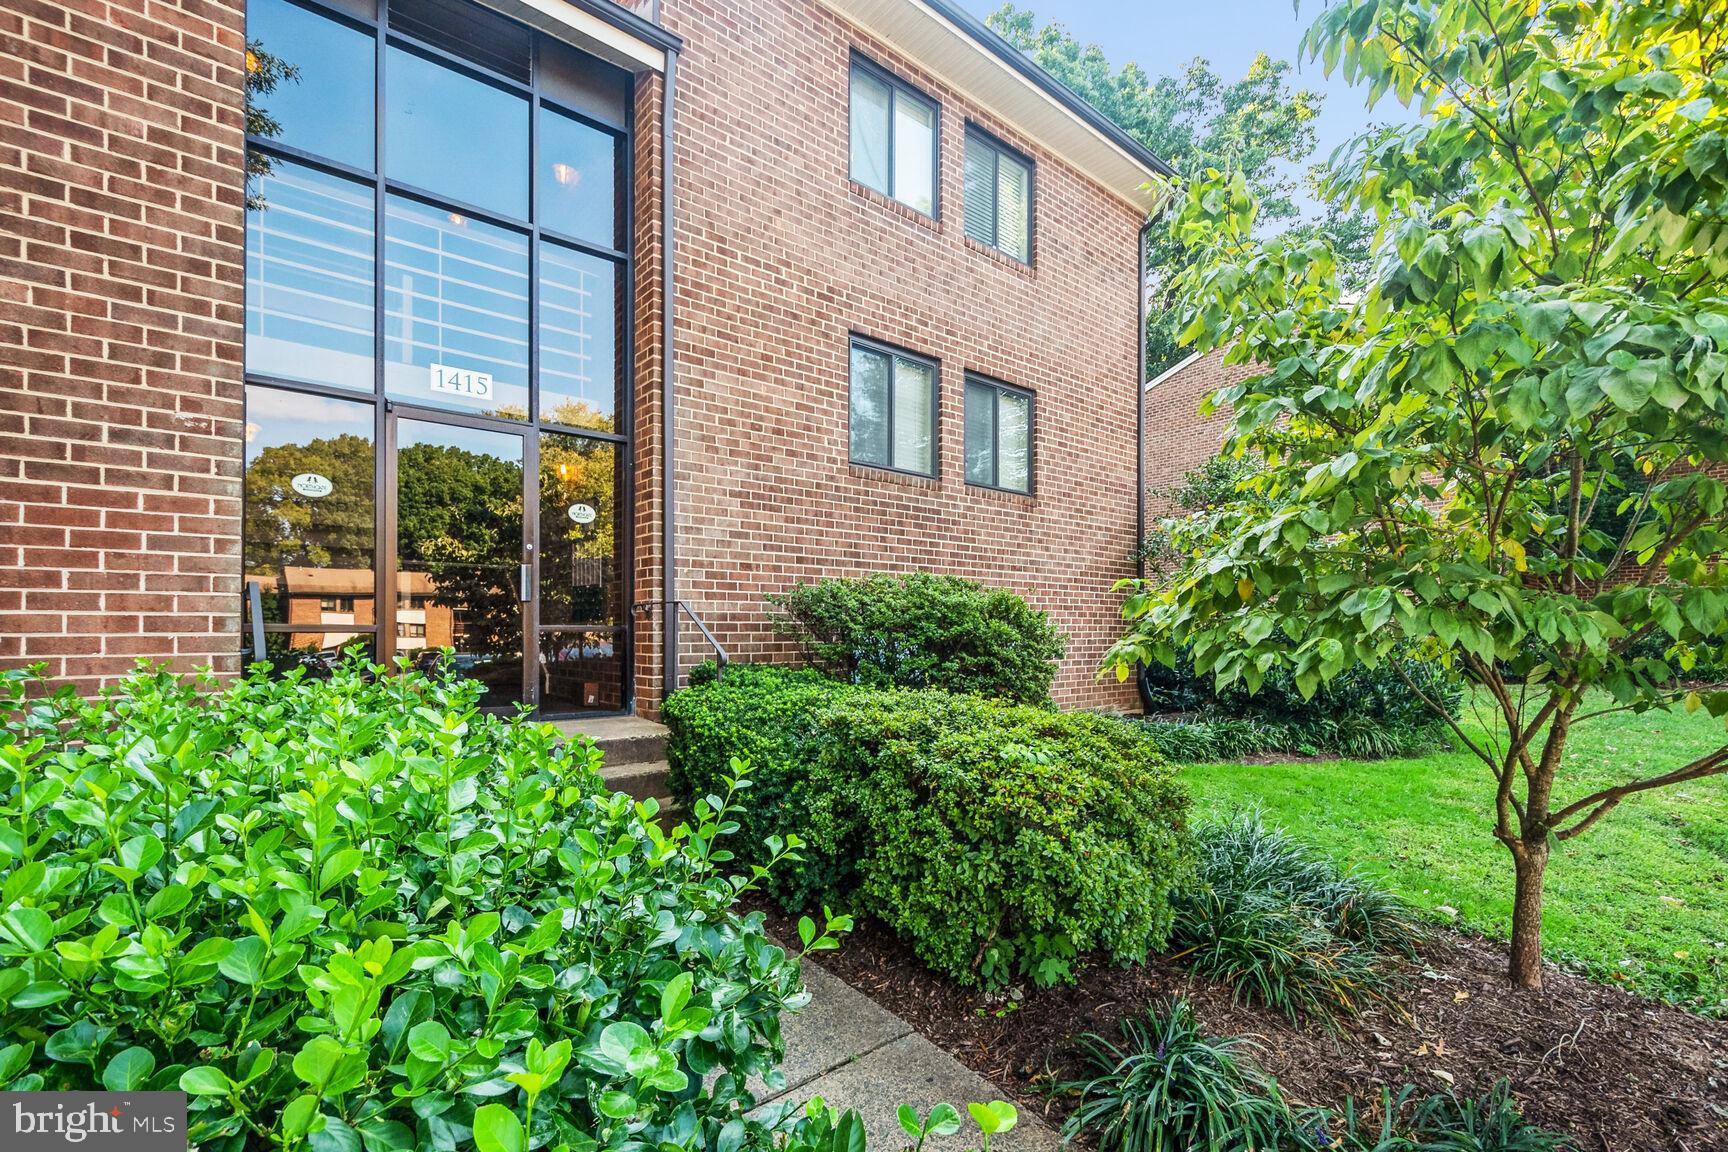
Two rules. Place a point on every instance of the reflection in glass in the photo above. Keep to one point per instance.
(286, 651)
(869, 407)
(449, 133)
(579, 483)
(1014, 435)
(459, 552)
(309, 278)
(578, 338)
(581, 671)
(326, 107)
(308, 520)
(914, 386)
(980, 433)
(871, 102)
(456, 311)
(577, 183)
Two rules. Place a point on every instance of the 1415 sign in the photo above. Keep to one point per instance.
(462, 382)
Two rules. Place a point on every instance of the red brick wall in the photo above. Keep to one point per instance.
(780, 257)
(1178, 440)
(121, 280)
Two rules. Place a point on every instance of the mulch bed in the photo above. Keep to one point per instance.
(1619, 1073)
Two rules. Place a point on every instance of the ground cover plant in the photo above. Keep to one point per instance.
(923, 630)
(1286, 927)
(1646, 908)
(357, 912)
(1541, 331)
(1002, 840)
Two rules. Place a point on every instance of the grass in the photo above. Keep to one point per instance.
(1641, 899)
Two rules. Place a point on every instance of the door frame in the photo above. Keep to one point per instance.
(391, 413)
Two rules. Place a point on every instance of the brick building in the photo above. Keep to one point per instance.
(1179, 440)
(426, 347)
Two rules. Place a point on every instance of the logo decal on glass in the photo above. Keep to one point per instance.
(461, 382)
(311, 484)
(582, 513)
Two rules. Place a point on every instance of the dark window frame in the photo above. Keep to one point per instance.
(621, 254)
(998, 149)
(997, 389)
(896, 89)
(857, 340)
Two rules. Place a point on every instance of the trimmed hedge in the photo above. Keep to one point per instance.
(923, 630)
(997, 839)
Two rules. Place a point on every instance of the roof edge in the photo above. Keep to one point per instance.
(1029, 69)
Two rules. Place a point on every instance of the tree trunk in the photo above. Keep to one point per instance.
(1531, 861)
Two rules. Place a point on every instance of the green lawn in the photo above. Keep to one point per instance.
(1641, 898)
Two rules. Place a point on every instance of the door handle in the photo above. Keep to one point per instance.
(525, 582)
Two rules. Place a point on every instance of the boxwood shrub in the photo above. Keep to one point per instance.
(923, 630)
(998, 839)
(356, 913)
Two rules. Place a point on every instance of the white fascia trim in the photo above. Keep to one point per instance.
(586, 31)
(1171, 371)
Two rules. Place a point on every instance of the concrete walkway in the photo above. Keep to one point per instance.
(852, 1052)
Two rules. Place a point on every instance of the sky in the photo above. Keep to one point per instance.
(1163, 35)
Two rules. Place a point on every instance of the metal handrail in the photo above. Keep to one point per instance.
(721, 659)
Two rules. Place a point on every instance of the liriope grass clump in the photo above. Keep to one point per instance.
(1284, 926)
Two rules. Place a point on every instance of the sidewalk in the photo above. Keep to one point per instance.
(853, 1053)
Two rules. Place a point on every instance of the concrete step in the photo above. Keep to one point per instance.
(622, 739)
(640, 780)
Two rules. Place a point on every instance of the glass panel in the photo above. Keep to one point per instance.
(326, 105)
(308, 521)
(913, 386)
(578, 187)
(449, 133)
(870, 100)
(309, 278)
(578, 332)
(1014, 208)
(315, 654)
(456, 311)
(914, 152)
(579, 571)
(1014, 410)
(581, 671)
(467, 31)
(459, 553)
(980, 433)
(979, 194)
(868, 416)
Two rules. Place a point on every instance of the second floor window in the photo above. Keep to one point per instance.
(893, 138)
(998, 196)
(998, 435)
(892, 414)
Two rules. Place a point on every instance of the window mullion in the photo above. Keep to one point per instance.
(892, 372)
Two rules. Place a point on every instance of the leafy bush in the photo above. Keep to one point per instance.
(1284, 926)
(997, 839)
(1439, 1122)
(357, 912)
(1214, 737)
(1363, 712)
(922, 630)
(1167, 1087)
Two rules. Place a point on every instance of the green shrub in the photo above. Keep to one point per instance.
(921, 630)
(1364, 713)
(997, 839)
(357, 912)
(767, 716)
(1167, 1087)
(1212, 736)
(1284, 926)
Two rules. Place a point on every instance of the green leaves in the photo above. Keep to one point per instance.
(355, 912)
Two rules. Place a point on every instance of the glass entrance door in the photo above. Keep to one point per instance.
(463, 564)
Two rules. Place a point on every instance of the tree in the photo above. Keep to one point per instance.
(264, 73)
(1543, 334)
(1193, 121)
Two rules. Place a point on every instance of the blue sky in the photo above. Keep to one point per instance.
(1163, 35)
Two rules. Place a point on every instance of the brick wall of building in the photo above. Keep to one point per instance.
(121, 281)
(1178, 440)
(780, 257)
